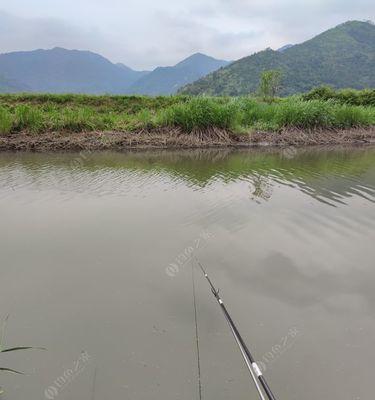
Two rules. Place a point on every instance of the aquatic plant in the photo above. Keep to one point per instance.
(4, 349)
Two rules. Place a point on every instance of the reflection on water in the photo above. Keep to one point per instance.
(329, 176)
(95, 257)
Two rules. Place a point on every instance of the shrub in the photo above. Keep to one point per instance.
(270, 84)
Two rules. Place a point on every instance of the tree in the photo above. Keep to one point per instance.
(270, 84)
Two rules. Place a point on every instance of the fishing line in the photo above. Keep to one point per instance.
(93, 385)
(196, 334)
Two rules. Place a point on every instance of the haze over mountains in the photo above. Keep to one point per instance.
(60, 71)
(167, 80)
(72, 71)
(342, 57)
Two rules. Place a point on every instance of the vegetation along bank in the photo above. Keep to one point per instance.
(73, 122)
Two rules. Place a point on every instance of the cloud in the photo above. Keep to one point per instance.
(17, 33)
(185, 35)
(145, 33)
(294, 21)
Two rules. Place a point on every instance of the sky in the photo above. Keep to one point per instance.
(144, 34)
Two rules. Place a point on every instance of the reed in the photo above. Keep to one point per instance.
(35, 114)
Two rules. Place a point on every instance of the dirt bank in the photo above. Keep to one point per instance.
(174, 138)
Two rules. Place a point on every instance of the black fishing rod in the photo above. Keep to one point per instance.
(252, 366)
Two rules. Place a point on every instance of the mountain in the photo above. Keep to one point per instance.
(341, 57)
(11, 86)
(60, 71)
(134, 74)
(73, 71)
(167, 80)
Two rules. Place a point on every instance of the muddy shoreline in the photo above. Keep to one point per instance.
(174, 138)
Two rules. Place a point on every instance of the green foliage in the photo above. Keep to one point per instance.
(144, 119)
(200, 112)
(6, 121)
(270, 84)
(347, 116)
(296, 113)
(84, 119)
(309, 114)
(241, 114)
(29, 118)
(345, 96)
(128, 104)
(341, 57)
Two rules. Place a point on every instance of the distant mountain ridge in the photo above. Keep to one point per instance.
(167, 80)
(75, 71)
(60, 71)
(10, 86)
(135, 74)
(341, 57)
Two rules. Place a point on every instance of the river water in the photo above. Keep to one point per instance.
(96, 262)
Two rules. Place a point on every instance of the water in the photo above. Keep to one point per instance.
(95, 258)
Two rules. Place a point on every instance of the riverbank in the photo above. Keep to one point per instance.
(175, 138)
(74, 122)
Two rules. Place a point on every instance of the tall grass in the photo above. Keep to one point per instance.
(28, 118)
(353, 97)
(6, 121)
(200, 113)
(313, 114)
(68, 113)
(129, 104)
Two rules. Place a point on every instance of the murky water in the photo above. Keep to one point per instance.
(94, 252)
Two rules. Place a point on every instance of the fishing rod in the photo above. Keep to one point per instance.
(255, 372)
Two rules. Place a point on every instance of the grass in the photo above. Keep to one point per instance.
(36, 114)
(200, 113)
(4, 349)
(6, 121)
(352, 97)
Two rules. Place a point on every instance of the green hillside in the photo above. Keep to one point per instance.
(341, 57)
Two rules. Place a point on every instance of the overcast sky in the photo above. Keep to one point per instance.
(146, 33)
